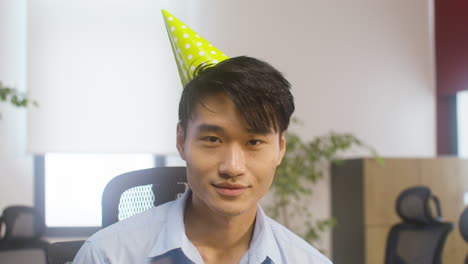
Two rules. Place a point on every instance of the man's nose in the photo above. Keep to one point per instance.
(233, 163)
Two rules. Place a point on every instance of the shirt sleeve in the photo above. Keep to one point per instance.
(90, 254)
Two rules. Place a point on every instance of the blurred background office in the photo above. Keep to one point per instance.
(108, 89)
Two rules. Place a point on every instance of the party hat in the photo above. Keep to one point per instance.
(190, 50)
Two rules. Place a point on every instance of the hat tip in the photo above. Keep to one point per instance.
(165, 13)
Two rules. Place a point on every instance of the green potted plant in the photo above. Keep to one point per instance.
(302, 167)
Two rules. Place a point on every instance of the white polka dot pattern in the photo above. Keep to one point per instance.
(195, 49)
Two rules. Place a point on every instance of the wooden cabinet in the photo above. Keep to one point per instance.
(364, 200)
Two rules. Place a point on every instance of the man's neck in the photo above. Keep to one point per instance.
(218, 235)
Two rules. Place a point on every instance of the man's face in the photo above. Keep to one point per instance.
(229, 168)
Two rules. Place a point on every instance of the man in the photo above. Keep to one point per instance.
(232, 121)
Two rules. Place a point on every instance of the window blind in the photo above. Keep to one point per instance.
(104, 76)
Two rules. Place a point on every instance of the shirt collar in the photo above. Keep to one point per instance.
(263, 242)
(173, 236)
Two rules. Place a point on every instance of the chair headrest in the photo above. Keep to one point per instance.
(463, 224)
(413, 206)
(22, 223)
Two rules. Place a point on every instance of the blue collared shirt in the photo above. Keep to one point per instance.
(157, 236)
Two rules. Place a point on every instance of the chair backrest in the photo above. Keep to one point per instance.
(421, 237)
(463, 226)
(136, 191)
(21, 242)
(125, 195)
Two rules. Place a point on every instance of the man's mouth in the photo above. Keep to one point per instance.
(230, 189)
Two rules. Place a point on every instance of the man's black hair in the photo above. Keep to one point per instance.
(260, 93)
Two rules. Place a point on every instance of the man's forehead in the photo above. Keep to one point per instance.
(215, 109)
(219, 110)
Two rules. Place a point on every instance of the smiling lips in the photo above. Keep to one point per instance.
(230, 189)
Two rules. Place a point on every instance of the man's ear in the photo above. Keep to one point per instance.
(282, 147)
(180, 140)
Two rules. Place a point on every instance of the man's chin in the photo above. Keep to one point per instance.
(232, 213)
(229, 211)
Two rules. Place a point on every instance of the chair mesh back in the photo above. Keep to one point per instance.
(136, 200)
(418, 245)
(136, 191)
(421, 237)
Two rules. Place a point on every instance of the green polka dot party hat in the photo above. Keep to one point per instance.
(190, 49)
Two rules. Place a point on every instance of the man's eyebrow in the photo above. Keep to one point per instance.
(257, 132)
(203, 128)
(209, 128)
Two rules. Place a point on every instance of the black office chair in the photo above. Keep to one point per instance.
(463, 226)
(126, 195)
(137, 191)
(21, 242)
(421, 237)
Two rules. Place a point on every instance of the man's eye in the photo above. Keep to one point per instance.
(255, 142)
(211, 139)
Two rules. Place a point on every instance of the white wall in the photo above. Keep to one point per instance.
(361, 66)
(16, 180)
